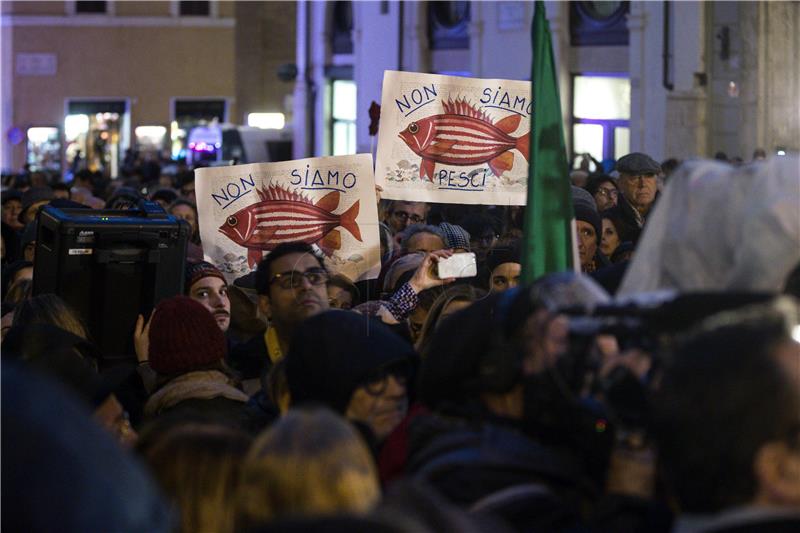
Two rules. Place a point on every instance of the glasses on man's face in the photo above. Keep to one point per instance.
(377, 383)
(403, 216)
(294, 279)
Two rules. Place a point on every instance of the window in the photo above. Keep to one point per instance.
(448, 25)
(197, 9)
(90, 7)
(343, 117)
(342, 28)
(598, 23)
(600, 116)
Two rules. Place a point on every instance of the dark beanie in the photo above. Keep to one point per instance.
(332, 354)
(183, 337)
(195, 271)
(585, 213)
(499, 255)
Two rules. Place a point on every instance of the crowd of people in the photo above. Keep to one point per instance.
(295, 399)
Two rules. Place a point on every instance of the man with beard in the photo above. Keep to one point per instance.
(206, 284)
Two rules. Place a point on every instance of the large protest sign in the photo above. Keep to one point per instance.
(455, 140)
(247, 210)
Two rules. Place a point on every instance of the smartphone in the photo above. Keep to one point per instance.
(461, 265)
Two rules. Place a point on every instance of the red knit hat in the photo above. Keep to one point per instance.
(183, 337)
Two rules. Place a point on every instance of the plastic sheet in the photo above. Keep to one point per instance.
(718, 227)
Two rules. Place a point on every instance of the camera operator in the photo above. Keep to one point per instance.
(507, 433)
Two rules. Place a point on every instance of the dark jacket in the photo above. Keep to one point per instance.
(631, 221)
(477, 463)
(250, 359)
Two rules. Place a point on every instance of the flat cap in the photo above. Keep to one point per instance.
(638, 163)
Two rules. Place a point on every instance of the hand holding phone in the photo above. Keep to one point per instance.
(461, 265)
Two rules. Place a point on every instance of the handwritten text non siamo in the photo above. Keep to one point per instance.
(307, 179)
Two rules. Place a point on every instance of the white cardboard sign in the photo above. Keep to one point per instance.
(452, 139)
(246, 211)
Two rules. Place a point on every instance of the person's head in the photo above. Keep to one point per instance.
(728, 412)
(14, 273)
(478, 359)
(124, 198)
(456, 238)
(603, 189)
(207, 285)
(62, 191)
(452, 299)
(342, 294)
(759, 154)
(198, 466)
(184, 337)
(638, 179)
(32, 200)
(308, 463)
(187, 186)
(186, 210)
(12, 208)
(505, 267)
(292, 285)
(49, 309)
(401, 270)
(402, 214)
(578, 178)
(588, 233)
(72, 360)
(421, 238)
(484, 230)
(610, 239)
(354, 365)
(164, 197)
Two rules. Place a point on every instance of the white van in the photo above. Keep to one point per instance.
(238, 144)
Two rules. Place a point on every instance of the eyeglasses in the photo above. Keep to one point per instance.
(611, 193)
(294, 279)
(402, 215)
(378, 382)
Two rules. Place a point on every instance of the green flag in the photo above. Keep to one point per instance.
(547, 245)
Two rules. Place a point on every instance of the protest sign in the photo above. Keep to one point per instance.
(455, 140)
(246, 211)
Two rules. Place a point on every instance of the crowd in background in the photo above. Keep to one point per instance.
(296, 399)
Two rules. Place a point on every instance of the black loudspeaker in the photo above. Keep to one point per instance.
(110, 266)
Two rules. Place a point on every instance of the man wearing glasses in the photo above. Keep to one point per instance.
(292, 286)
(403, 214)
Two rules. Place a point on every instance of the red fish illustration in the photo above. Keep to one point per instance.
(287, 216)
(463, 135)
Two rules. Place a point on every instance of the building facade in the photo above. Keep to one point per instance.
(673, 79)
(102, 77)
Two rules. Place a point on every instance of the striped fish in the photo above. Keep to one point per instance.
(287, 216)
(465, 136)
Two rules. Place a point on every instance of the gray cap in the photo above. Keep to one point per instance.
(638, 163)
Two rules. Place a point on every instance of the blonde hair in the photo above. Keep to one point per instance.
(198, 466)
(310, 462)
(454, 293)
